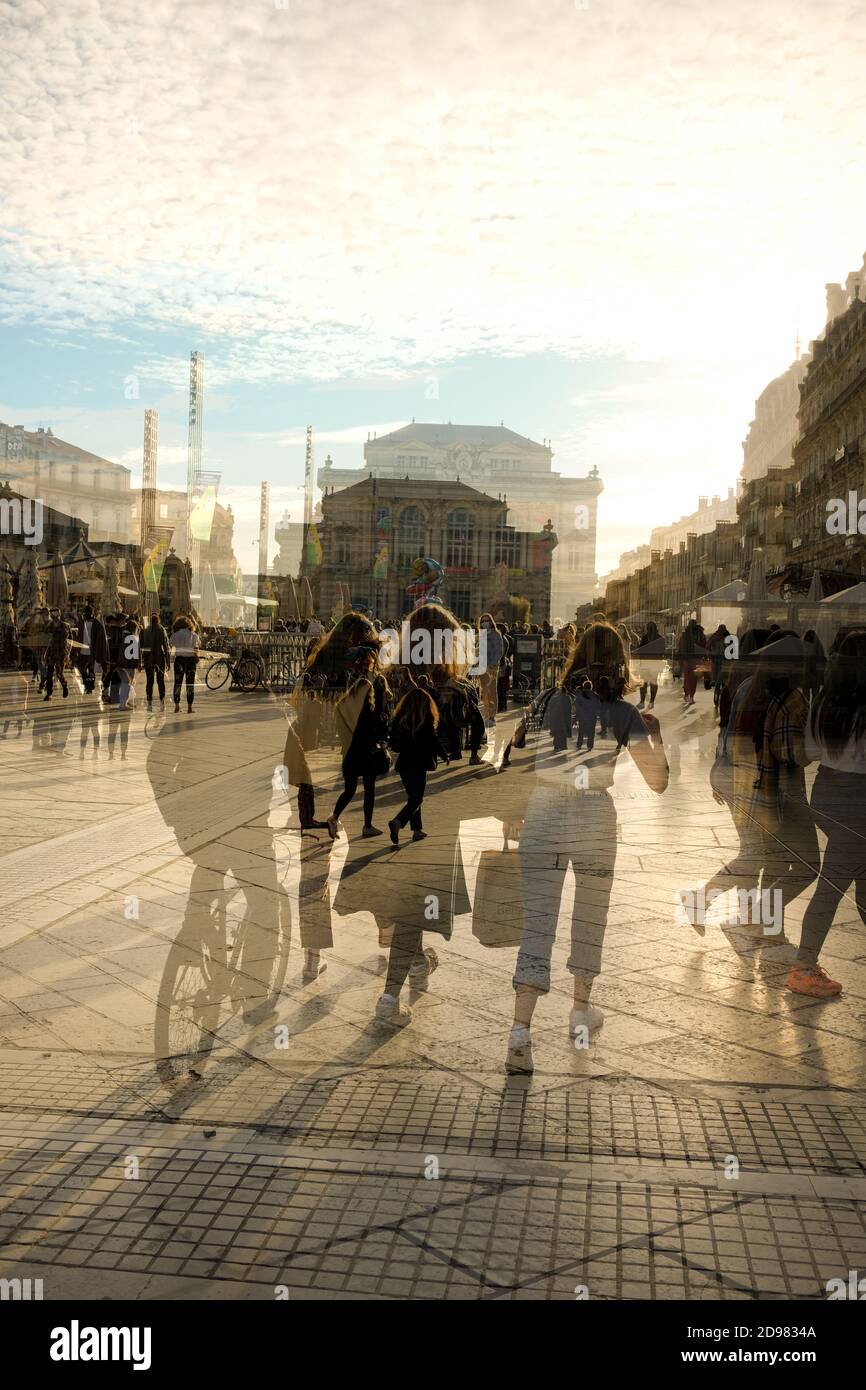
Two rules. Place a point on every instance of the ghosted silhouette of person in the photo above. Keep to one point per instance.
(836, 739)
(201, 968)
(760, 771)
(558, 806)
(420, 885)
(323, 682)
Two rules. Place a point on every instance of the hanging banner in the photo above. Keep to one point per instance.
(156, 544)
(203, 505)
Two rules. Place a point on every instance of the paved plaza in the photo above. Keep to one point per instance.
(708, 1144)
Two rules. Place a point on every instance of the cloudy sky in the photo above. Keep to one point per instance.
(604, 223)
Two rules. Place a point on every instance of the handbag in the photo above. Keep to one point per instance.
(497, 908)
(380, 761)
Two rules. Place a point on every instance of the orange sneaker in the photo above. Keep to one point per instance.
(812, 980)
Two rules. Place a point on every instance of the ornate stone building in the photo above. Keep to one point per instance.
(830, 453)
(68, 479)
(782, 509)
(773, 432)
(501, 463)
(370, 534)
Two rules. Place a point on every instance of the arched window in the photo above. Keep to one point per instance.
(410, 535)
(458, 549)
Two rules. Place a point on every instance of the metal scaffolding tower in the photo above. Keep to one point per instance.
(309, 480)
(193, 465)
(264, 525)
(148, 475)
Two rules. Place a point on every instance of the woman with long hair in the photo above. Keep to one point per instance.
(570, 820)
(400, 887)
(362, 724)
(415, 740)
(836, 738)
(185, 640)
(326, 674)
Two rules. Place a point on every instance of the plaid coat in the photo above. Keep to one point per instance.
(764, 781)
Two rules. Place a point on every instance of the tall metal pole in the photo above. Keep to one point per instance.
(148, 475)
(264, 524)
(193, 465)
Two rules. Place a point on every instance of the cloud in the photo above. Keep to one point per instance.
(317, 191)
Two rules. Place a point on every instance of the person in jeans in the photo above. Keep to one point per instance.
(415, 740)
(156, 658)
(836, 738)
(184, 639)
(564, 816)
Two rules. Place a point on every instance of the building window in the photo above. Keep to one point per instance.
(410, 535)
(460, 601)
(163, 510)
(342, 551)
(459, 537)
(505, 547)
(573, 558)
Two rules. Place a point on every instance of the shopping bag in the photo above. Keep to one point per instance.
(497, 909)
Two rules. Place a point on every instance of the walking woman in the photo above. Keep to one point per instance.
(156, 659)
(415, 740)
(692, 647)
(399, 887)
(313, 703)
(184, 639)
(766, 750)
(491, 654)
(836, 737)
(648, 658)
(362, 725)
(562, 814)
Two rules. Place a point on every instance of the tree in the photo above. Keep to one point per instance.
(31, 593)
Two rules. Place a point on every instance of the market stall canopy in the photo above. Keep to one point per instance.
(816, 588)
(735, 592)
(856, 594)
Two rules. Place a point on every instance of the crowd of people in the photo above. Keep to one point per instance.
(780, 703)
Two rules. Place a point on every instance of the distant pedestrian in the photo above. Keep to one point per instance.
(57, 652)
(185, 641)
(156, 659)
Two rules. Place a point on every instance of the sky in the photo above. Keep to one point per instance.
(604, 223)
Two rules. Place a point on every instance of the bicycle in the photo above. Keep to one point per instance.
(246, 672)
(205, 966)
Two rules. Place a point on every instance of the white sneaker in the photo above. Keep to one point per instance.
(390, 1010)
(588, 1017)
(419, 975)
(518, 1061)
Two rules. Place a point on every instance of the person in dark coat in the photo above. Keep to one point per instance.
(415, 739)
(155, 658)
(59, 645)
(94, 647)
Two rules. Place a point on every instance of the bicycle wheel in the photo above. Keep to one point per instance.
(188, 1005)
(217, 674)
(248, 673)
